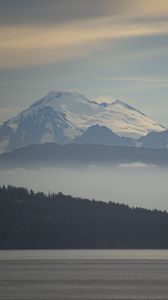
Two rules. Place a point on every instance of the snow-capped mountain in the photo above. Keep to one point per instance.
(62, 116)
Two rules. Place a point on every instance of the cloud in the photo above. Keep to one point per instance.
(39, 32)
(30, 45)
(151, 8)
(56, 11)
(138, 79)
(137, 165)
(156, 82)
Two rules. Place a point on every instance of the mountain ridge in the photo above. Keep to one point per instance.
(156, 140)
(54, 155)
(102, 135)
(62, 116)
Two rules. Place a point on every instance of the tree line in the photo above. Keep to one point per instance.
(30, 220)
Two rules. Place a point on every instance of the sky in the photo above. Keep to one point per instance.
(112, 48)
(136, 184)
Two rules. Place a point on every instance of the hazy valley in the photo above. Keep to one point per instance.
(109, 151)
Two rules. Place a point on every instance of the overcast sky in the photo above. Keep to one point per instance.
(109, 48)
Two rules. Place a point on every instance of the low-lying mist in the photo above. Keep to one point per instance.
(136, 184)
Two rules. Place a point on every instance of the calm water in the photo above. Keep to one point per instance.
(83, 274)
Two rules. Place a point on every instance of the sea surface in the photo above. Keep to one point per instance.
(83, 274)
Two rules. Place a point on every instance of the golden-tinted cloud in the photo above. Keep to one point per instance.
(152, 7)
(26, 44)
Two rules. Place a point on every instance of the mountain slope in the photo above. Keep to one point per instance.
(101, 135)
(62, 116)
(127, 121)
(157, 140)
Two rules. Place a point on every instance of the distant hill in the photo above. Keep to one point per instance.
(155, 140)
(31, 220)
(101, 135)
(52, 155)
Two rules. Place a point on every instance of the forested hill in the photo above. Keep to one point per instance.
(35, 220)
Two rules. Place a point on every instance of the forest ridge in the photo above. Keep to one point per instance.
(31, 220)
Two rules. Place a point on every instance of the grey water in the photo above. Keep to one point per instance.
(83, 274)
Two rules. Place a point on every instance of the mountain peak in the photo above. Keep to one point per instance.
(59, 95)
(118, 101)
(124, 104)
(61, 116)
(101, 129)
(102, 135)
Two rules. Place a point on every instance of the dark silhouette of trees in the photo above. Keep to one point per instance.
(36, 220)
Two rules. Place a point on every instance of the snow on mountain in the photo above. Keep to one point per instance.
(125, 120)
(62, 116)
